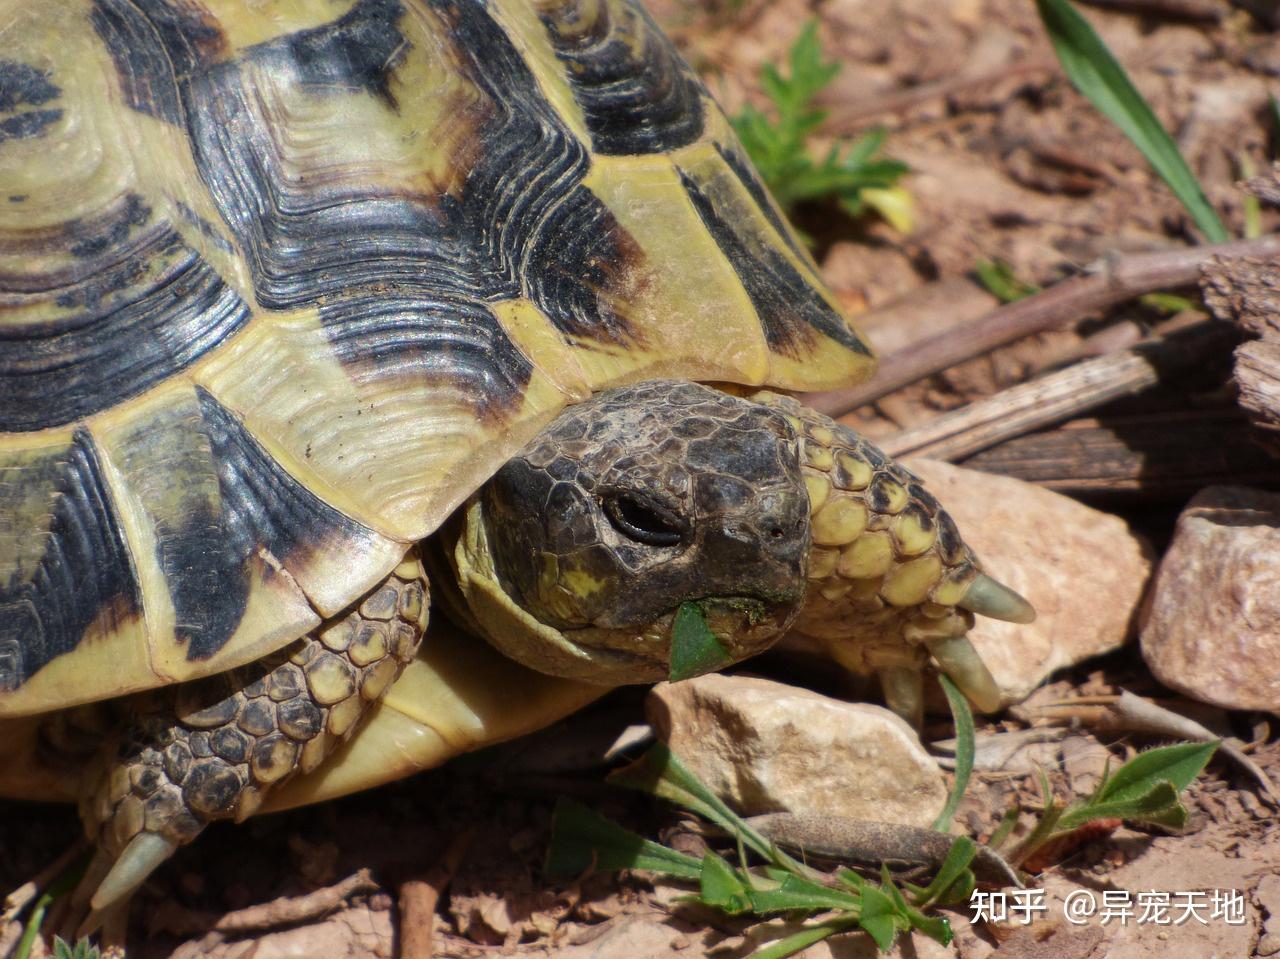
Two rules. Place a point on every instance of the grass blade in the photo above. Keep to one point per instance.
(805, 938)
(1096, 74)
(963, 718)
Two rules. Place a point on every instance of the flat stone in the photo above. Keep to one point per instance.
(1212, 630)
(1083, 570)
(768, 747)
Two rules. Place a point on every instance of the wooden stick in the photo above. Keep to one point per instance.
(1163, 457)
(1058, 396)
(1111, 281)
(420, 897)
(1202, 10)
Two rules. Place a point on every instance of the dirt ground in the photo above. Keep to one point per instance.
(1007, 162)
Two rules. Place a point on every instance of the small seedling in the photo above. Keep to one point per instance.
(850, 172)
(1143, 790)
(81, 950)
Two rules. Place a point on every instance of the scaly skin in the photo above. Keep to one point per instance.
(212, 749)
(888, 568)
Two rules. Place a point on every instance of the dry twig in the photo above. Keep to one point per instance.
(419, 898)
(1057, 396)
(287, 912)
(1108, 283)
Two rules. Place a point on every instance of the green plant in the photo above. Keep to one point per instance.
(83, 949)
(583, 840)
(1145, 790)
(851, 172)
(1096, 74)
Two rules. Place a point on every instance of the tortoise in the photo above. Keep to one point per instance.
(313, 310)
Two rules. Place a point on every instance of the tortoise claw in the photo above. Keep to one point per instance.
(145, 852)
(903, 688)
(988, 597)
(961, 662)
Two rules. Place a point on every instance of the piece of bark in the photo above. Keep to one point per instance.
(1058, 396)
(1258, 378)
(1246, 290)
(1161, 457)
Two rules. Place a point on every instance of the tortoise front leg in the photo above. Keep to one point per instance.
(891, 582)
(212, 749)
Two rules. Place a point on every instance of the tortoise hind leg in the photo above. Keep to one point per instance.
(212, 749)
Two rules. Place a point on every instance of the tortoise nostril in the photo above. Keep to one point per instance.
(642, 522)
(776, 532)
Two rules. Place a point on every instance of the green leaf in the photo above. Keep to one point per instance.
(1097, 75)
(1178, 764)
(694, 648)
(582, 839)
(720, 886)
(799, 894)
(778, 147)
(959, 856)
(806, 937)
(83, 949)
(659, 773)
(1159, 801)
(1167, 303)
(963, 718)
(879, 917)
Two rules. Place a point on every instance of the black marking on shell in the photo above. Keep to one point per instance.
(750, 179)
(356, 52)
(22, 85)
(84, 573)
(262, 508)
(153, 44)
(581, 256)
(790, 307)
(636, 92)
(389, 269)
(145, 307)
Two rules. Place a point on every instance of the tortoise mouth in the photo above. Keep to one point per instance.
(743, 625)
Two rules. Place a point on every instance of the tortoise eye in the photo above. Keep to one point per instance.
(643, 522)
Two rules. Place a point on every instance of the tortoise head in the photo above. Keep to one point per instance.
(582, 547)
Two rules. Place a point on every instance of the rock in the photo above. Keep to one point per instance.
(1082, 569)
(767, 747)
(1213, 627)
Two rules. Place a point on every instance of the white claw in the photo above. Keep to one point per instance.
(990, 598)
(145, 852)
(903, 688)
(961, 662)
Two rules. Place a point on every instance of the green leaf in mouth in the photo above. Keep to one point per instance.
(694, 648)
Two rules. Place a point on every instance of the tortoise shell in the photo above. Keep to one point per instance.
(282, 283)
